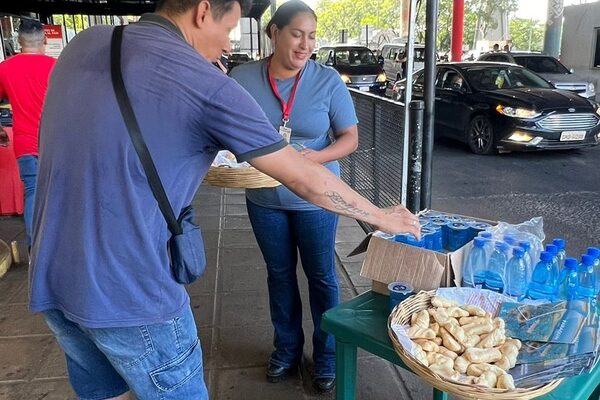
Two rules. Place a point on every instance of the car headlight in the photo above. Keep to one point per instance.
(516, 112)
(598, 110)
(381, 78)
(345, 78)
(591, 88)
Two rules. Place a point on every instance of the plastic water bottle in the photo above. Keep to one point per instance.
(544, 278)
(526, 246)
(552, 249)
(595, 252)
(484, 234)
(567, 280)
(568, 328)
(474, 266)
(516, 274)
(561, 254)
(495, 273)
(586, 282)
(510, 240)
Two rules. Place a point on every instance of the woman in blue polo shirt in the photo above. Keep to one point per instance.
(311, 107)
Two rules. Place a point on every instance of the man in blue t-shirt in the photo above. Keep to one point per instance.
(100, 269)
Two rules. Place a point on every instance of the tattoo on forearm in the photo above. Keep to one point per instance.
(342, 205)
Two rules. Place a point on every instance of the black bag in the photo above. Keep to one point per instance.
(186, 249)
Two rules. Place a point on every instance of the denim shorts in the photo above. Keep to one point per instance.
(159, 361)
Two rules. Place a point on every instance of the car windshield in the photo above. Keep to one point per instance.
(355, 57)
(502, 77)
(542, 65)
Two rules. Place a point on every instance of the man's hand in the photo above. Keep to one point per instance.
(318, 185)
(398, 219)
(3, 138)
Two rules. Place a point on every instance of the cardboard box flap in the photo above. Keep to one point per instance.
(387, 262)
(362, 247)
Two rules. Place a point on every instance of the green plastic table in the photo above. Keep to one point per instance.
(362, 322)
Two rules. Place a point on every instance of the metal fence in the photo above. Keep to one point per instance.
(375, 169)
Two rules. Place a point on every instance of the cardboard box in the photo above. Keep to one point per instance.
(388, 261)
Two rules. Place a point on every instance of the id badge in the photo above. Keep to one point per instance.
(285, 132)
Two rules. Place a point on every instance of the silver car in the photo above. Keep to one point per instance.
(548, 68)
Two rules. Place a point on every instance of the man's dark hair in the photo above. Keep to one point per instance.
(286, 12)
(219, 7)
(30, 26)
(31, 33)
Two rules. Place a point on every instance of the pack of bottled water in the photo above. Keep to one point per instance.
(443, 232)
(523, 267)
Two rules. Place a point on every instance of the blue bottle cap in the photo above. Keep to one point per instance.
(487, 235)
(546, 256)
(560, 243)
(502, 246)
(509, 239)
(552, 249)
(479, 242)
(593, 251)
(525, 245)
(518, 251)
(570, 263)
(588, 260)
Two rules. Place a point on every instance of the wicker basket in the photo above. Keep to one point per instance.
(401, 315)
(5, 258)
(248, 178)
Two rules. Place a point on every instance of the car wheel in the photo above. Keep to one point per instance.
(480, 135)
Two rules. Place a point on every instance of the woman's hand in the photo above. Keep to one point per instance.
(397, 220)
(313, 155)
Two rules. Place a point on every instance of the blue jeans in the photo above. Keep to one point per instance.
(160, 361)
(28, 169)
(280, 235)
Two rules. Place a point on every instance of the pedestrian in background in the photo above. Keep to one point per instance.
(24, 82)
(304, 100)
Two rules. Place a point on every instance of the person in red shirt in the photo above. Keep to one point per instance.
(24, 82)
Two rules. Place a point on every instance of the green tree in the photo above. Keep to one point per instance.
(527, 34)
(75, 22)
(352, 15)
(486, 15)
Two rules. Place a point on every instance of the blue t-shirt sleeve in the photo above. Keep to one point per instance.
(237, 123)
(341, 111)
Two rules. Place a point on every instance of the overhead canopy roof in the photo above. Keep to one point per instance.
(99, 7)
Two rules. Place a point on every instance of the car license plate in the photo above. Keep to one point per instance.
(567, 136)
(364, 88)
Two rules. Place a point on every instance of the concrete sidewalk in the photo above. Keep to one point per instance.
(231, 307)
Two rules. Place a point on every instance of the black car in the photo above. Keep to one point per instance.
(505, 107)
(236, 59)
(357, 65)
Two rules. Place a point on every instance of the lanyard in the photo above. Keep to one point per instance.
(286, 107)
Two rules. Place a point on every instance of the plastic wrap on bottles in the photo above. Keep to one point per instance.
(531, 231)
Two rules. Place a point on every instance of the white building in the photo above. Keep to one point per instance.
(580, 46)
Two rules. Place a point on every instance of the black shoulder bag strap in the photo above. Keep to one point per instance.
(136, 135)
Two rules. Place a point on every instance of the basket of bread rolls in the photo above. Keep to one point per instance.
(460, 349)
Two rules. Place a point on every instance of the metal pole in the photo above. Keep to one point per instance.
(553, 28)
(410, 54)
(251, 41)
(428, 122)
(458, 20)
(417, 108)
